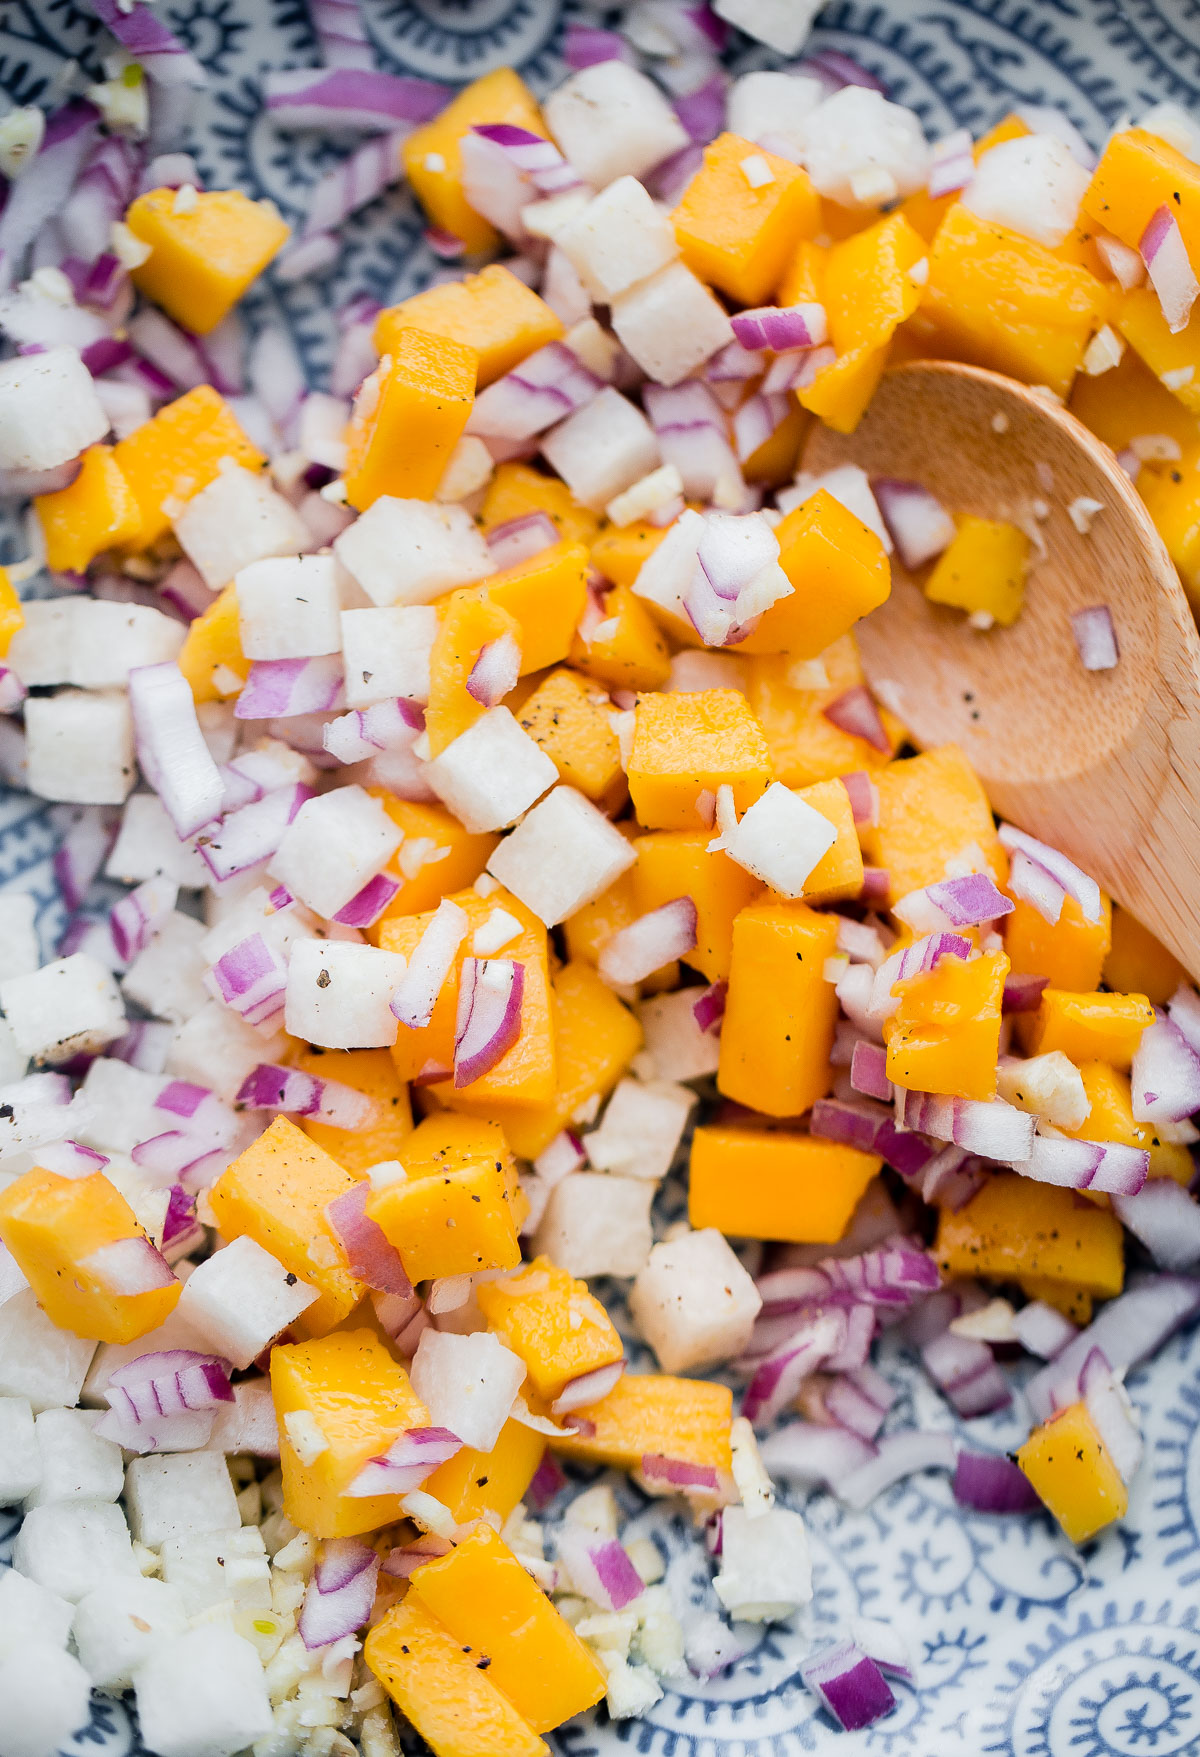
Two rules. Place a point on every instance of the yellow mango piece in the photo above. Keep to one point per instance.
(552, 1322)
(483, 1595)
(1014, 1227)
(433, 154)
(945, 1034)
(982, 570)
(778, 457)
(676, 863)
(839, 872)
(1138, 173)
(737, 234)
(360, 1398)
(1069, 953)
(568, 716)
(203, 256)
(276, 1193)
(803, 280)
(525, 1074)
(840, 392)
(97, 512)
(12, 617)
(1172, 496)
(467, 623)
(1091, 1027)
(517, 489)
(1073, 1472)
(780, 1011)
(925, 212)
(178, 452)
(838, 570)
(546, 595)
(684, 745)
(408, 417)
(645, 1413)
(1073, 1302)
(370, 1071)
(456, 857)
(620, 551)
(211, 657)
(1172, 356)
(626, 650)
(1128, 401)
(53, 1225)
(805, 746)
(1111, 1119)
(763, 1183)
(1137, 963)
(589, 930)
(869, 288)
(474, 1483)
(452, 1213)
(442, 1686)
(997, 299)
(493, 313)
(932, 809)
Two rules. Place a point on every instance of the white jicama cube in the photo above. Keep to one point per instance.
(694, 1302)
(619, 238)
(413, 551)
(147, 844)
(66, 1008)
(470, 468)
(603, 448)
(1033, 186)
(664, 577)
(215, 1048)
(247, 1424)
(49, 410)
(20, 949)
(467, 1383)
(766, 1573)
(77, 1463)
(859, 150)
(72, 1547)
(611, 121)
(386, 653)
(780, 839)
(596, 1224)
(167, 977)
(40, 651)
(217, 1567)
(38, 1361)
(118, 1623)
(240, 1299)
(561, 856)
(20, 1459)
(676, 1043)
(46, 1695)
(781, 24)
(333, 846)
(641, 1129)
(237, 519)
(179, 1496)
(107, 640)
(202, 1694)
(29, 1612)
(774, 105)
(670, 324)
(339, 994)
(79, 747)
(288, 607)
(120, 1106)
(491, 773)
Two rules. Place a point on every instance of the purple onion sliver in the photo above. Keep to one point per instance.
(1096, 638)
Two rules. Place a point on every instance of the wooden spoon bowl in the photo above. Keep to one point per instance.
(1102, 764)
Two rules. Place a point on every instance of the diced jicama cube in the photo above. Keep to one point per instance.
(240, 1299)
(29, 1612)
(641, 1129)
(386, 652)
(595, 1224)
(694, 1302)
(216, 1048)
(1050, 1086)
(49, 410)
(74, 1546)
(288, 607)
(76, 1462)
(467, 1383)
(781, 24)
(40, 650)
(202, 1694)
(119, 1109)
(20, 952)
(563, 854)
(491, 773)
(333, 846)
(46, 1695)
(107, 640)
(70, 1007)
(38, 1361)
(619, 238)
(166, 978)
(179, 1496)
(861, 150)
(80, 747)
(147, 844)
(603, 448)
(1032, 185)
(765, 1570)
(412, 551)
(247, 1424)
(118, 1623)
(670, 324)
(772, 107)
(208, 1568)
(20, 1458)
(780, 839)
(238, 518)
(679, 1047)
(611, 121)
(339, 994)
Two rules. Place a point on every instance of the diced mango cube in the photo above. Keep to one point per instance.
(569, 717)
(178, 452)
(780, 1012)
(838, 570)
(685, 745)
(764, 1183)
(433, 154)
(546, 595)
(372, 1072)
(474, 1483)
(1172, 497)
(945, 1034)
(1173, 356)
(652, 1413)
(211, 657)
(932, 810)
(1091, 1027)
(453, 858)
(1015, 1227)
(203, 255)
(1130, 400)
(677, 863)
(1136, 963)
(868, 284)
(517, 489)
(1111, 1119)
(620, 551)
(589, 930)
(839, 872)
(97, 512)
(805, 746)
(736, 229)
(12, 617)
(452, 1214)
(467, 624)
(408, 417)
(552, 1322)
(982, 570)
(1138, 173)
(839, 393)
(1073, 1472)
(492, 312)
(1069, 953)
(625, 649)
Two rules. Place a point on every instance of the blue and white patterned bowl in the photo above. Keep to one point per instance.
(1025, 1647)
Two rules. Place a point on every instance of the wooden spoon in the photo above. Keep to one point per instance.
(1104, 765)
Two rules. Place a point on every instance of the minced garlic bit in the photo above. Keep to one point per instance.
(21, 134)
(649, 495)
(308, 1442)
(485, 885)
(434, 162)
(918, 274)
(387, 1172)
(1155, 448)
(835, 968)
(1082, 511)
(1104, 351)
(756, 171)
(499, 930)
(185, 199)
(1045, 476)
(1180, 378)
(606, 630)
(124, 98)
(872, 186)
(808, 674)
(749, 1473)
(991, 1323)
(130, 251)
(1000, 423)
(981, 619)
(1040, 509)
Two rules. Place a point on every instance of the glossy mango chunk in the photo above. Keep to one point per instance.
(474, 1483)
(568, 716)
(205, 253)
(685, 745)
(677, 863)
(1172, 356)
(1130, 400)
(805, 746)
(483, 1595)
(1070, 952)
(359, 1398)
(468, 624)
(1138, 173)
(654, 1413)
(945, 1034)
(1073, 1472)
(1137, 963)
(407, 419)
(1091, 1027)
(932, 810)
(736, 231)
(625, 649)
(12, 617)
(493, 313)
(803, 281)
(982, 570)
(546, 595)
(452, 1214)
(97, 512)
(1111, 1119)
(839, 872)
(276, 1193)
(211, 657)
(1172, 497)
(451, 858)
(620, 550)
(763, 1183)
(780, 1011)
(433, 154)
(517, 489)
(178, 452)
(372, 1072)
(868, 284)
(589, 930)
(54, 1226)
(839, 572)
(1073, 1302)
(552, 1322)
(840, 392)
(1015, 1227)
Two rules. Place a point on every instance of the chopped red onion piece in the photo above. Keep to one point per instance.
(40, 192)
(181, 1229)
(1166, 1219)
(341, 1593)
(82, 852)
(654, 939)
(357, 180)
(495, 671)
(585, 45)
(1023, 994)
(1075, 883)
(269, 1087)
(367, 905)
(992, 1128)
(1165, 1077)
(401, 1562)
(781, 327)
(914, 960)
(430, 965)
(488, 1022)
(756, 420)
(1030, 883)
(599, 1567)
(517, 539)
(410, 1458)
(702, 111)
(305, 257)
(139, 915)
(966, 1371)
(127, 1267)
(170, 746)
(362, 733)
(953, 163)
(855, 712)
(988, 1483)
(279, 689)
(549, 1479)
(167, 1383)
(1096, 637)
(958, 902)
(1042, 1330)
(709, 1008)
(548, 385)
(691, 430)
(1127, 1331)
(679, 1473)
(837, 70)
(779, 1377)
(370, 1256)
(898, 1455)
(71, 1159)
(807, 1454)
(159, 51)
(535, 157)
(860, 1400)
(917, 522)
(251, 977)
(849, 1684)
(587, 1388)
(868, 1071)
(1171, 274)
(350, 98)
(1112, 1416)
(864, 798)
